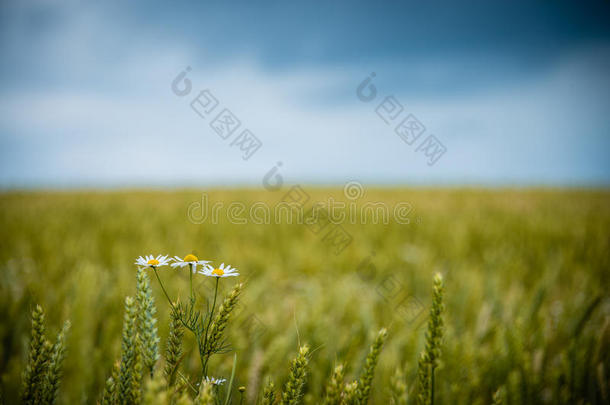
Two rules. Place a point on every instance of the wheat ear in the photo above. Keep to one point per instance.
(37, 360)
(146, 323)
(109, 396)
(366, 379)
(398, 388)
(293, 390)
(334, 387)
(173, 350)
(53, 376)
(128, 379)
(350, 394)
(206, 394)
(269, 394)
(429, 359)
(214, 339)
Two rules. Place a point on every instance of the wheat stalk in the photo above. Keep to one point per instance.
(429, 359)
(109, 396)
(366, 379)
(173, 350)
(129, 378)
(206, 394)
(398, 388)
(146, 322)
(269, 394)
(53, 376)
(335, 384)
(350, 394)
(293, 389)
(213, 340)
(38, 360)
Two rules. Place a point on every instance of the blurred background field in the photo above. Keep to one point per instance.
(527, 303)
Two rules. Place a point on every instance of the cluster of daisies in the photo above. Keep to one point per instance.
(188, 260)
(196, 266)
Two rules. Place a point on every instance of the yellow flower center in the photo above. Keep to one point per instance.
(218, 272)
(153, 262)
(190, 258)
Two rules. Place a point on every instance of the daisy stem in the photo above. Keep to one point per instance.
(163, 288)
(198, 339)
(205, 366)
(214, 303)
(191, 281)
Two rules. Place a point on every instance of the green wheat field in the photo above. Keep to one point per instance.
(524, 318)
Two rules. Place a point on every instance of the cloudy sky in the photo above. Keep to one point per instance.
(517, 94)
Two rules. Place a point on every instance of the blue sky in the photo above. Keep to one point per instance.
(518, 93)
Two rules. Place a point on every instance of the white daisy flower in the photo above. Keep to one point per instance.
(151, 261)
(215, 381)
(221, 271)
(188, 261)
